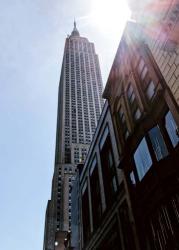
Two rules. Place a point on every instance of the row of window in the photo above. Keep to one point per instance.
(133, 105)
(80, 46)
(109, 184)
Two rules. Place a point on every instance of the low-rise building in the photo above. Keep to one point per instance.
(105, 209)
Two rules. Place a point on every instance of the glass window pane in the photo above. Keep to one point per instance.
(132, 98)
(110, 159)
(141, 65)
(132, 177)
(129, 91)
(114, 183)
(158, 143)
(126, 135)
(150, 90)
(142, 159)
(130, 94)
(137, 114)
(103, 139)
(171, 128)
(144, 72)
(121, 113)
(123, 118)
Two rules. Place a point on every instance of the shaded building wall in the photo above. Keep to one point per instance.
(49, 228)
(75, 212)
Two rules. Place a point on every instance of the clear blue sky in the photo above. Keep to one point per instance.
(32, 37)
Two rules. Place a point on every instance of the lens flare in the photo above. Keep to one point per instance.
(110, 16)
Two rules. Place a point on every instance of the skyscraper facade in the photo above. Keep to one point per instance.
(79, 107)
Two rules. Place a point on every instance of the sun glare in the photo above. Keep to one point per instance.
(110, 16)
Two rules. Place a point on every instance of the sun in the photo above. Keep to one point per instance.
(110, 16)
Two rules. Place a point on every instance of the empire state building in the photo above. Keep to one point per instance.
(79, 107)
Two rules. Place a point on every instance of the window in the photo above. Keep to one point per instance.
(126, 134)
(103, 139)
(164, 224)
(142, 158)
(144, 72)
(112, 238)
(171, 127)
(122, 123)
(108, 171)
(121, 115)
(110, 159)
(95, 194)
(114, 184)
(85, 213)
(126, 226)
(150, 90)
(132, 178)
(137, 114)
(158, 143)
(130, 94)
(141, 65)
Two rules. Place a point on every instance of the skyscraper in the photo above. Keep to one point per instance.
(79, 107)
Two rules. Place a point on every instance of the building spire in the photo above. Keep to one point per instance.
(74, 23)
(75, 32)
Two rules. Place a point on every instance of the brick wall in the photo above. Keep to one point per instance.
(168, 62)
(160, 20)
